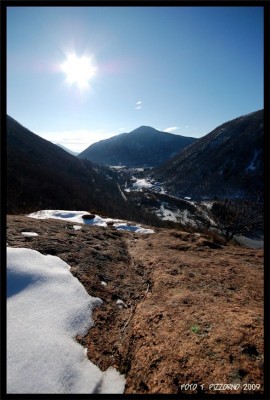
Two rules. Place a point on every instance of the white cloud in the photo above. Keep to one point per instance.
(76, 140)
(171, 129)
(187, 126)
(139, 105)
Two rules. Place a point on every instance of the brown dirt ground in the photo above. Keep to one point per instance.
(193, 309)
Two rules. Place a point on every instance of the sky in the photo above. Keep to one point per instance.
(77, 75)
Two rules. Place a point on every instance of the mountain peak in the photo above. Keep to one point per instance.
(144, 128)
(142, 147)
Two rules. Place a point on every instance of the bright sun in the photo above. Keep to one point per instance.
(79, 70)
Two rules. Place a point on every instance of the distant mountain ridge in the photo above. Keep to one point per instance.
(41, 175)
(142, 147)
(74, 153)
(228, 162)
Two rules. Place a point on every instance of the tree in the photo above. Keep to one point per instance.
(237, 217)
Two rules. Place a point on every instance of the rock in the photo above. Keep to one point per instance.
(88, 216)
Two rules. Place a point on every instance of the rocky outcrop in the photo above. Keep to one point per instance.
(178, 308)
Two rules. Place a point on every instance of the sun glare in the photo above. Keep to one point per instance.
(79, 70)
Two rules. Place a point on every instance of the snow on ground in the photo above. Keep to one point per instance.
(42, 321)
(117, 167)
(71, 216)
(207, 204)
(248, 242)
(77, 227)
(186, 218)
(166, 214)
(142, 183)
(183, 217)
(29, 234)
(132, 228)
(252, 165)
(122, 194)
(77, 216)
(162, 190)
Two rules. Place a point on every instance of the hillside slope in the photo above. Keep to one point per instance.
(228, 162)
(41, 175)
(143, 147)
(191, 310)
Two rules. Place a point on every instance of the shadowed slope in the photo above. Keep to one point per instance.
(228, 162)
(144, 146)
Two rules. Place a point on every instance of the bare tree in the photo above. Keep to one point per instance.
(237, 217)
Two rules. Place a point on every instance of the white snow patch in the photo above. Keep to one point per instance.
(142, 183)
(166, 214)
(42, 322)
(77, 227)
(132, 228)
(29, 234)
(252, 165)
(144, 230)
(72, 216)
(207, 204)
(117, 167)
(103, 283)
(139, 169)
(162, 190)
(122, 194)
(76, 216)
(186, 218)
(120, 303)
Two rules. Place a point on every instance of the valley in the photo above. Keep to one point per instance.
(141, 189)
(173, 253)
(134, 212)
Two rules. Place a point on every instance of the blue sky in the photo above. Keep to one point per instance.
(181, 69)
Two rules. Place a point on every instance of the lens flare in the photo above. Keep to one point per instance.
(79, 70)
